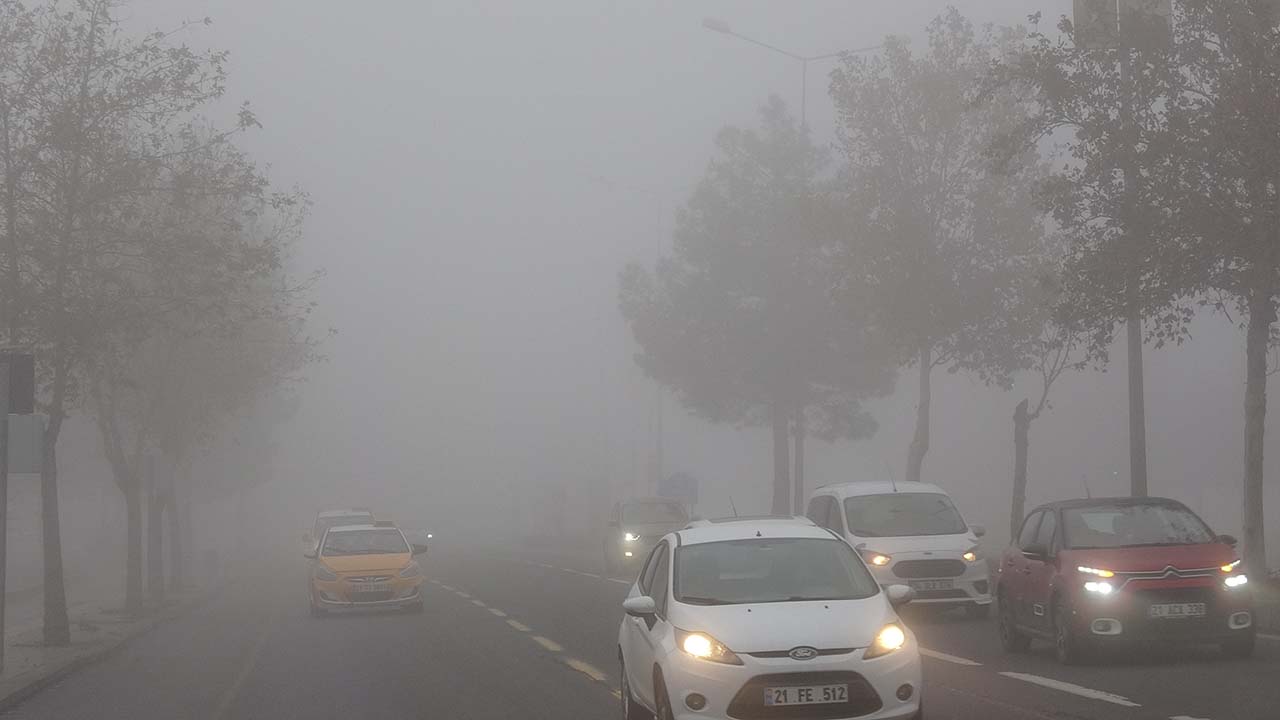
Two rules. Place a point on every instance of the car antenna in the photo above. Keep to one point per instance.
(1085, 480)
(733, 507)
(893, 478)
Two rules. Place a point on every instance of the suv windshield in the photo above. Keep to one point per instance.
(653, 513)
(1113, 526)
(772, 570)
(901, 514)
(364, 542)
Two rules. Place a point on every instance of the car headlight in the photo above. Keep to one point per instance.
(973, 554)
(877, 559)
(323, 573)
(1230, 566)
(1236, 581)
(705, 647)
(630, 537)
(414, 570)
(1095, 572)
(1101, 588)
(890, 638)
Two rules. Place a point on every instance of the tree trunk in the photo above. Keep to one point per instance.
(1137, 407)
(1017, 510)
(177, 547)
(57, 629)
(133, 560)
(155, 533)
(920, 442)
(781, 461)
(797, 505)
(1262, 316)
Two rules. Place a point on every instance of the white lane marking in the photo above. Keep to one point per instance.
(586, 669)
(1185, 717)
(518, 625)
(1269, 636)
(544, 565)
(620, 582)
(250, 662)
(446, 587)
(497, 612)
(1072, 688)
(948, 658)
(548, 643)
(435, 582)
(477, 603)
(462, 594)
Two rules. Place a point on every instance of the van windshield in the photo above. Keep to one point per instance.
(902, 514)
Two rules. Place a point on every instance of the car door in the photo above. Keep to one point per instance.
(1041, 568)
(638, 650)
(1013, 569)
(650, 631)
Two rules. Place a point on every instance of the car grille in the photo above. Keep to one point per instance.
(748, 704)
(940, 594)
(380, 596)
(370, 579)
(928, 568)
(787, 653)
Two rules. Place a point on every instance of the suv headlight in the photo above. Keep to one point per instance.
(890, 638)
(323, 573)
(705, 647)
(414, 570)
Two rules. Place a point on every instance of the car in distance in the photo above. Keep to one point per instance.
(365, 566)
(764, 618)
(326, 519)
(1096, 573)
(910, 533)
(635, 526)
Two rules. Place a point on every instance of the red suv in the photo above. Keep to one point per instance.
(1091, 574)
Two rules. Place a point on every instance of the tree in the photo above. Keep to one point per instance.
(939, 238)
(739, 321)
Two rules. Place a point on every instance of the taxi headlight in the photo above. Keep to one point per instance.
(323, 573)
(890, 638)
(413, 571)
(705, 647)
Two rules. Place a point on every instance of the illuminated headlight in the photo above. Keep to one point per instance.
(1236, 581)
(323, 573)
(1230, 566)
(878, 559)
(891, 637)
(630, 537)
(705, 647)
(413, 571)
(1101, 588)
(1095, 571)
(972, 555)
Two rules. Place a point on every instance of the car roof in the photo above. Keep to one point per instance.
(878, 487)
(748, 528)
(1109, 502)
(343, 513)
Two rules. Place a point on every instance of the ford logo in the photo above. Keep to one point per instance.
(803, 653)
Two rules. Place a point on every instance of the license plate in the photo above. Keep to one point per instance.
(932, 584)
(806, 695)
(369, 587)
(1177, 610)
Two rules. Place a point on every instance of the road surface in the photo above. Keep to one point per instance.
(531, 634)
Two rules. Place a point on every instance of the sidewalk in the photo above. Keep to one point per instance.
(96, 630)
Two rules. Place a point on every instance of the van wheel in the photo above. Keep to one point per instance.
(1012, 639)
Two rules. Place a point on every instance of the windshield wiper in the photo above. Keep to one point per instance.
(687, 600)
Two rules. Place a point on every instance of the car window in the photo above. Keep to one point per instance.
(1133, 525)
(1048, 527)
(1027, 537)
(903, 514)
(770, 570)
(835, 521)
(650, 564)
(658, 587)
(817, 511)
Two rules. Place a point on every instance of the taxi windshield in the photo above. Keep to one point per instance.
(364, 542)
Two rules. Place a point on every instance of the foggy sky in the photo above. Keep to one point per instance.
(480, 173)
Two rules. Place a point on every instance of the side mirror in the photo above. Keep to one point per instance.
(978, 530)
(1228, 540)
(310, 554)
(419, 549)
(613, 523)
(1035, 552)
(900, 595)
(641, 606)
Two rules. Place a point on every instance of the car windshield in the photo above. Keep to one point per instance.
(1115, 526)
(653, 513)
(770, 570)
(901, 514)
(364, 542)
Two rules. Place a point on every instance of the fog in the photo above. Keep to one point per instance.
(481, 172)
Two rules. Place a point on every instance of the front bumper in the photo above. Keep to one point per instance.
(970, 582)
(338, 594)
(1124, 616)
(736, 691)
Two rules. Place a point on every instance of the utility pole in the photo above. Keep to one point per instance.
(5, 365)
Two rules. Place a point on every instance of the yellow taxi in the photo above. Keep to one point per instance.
(370, 565)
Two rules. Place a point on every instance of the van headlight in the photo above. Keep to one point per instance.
(323, 573)
(973, 554)
(705, 647)
(890, 638)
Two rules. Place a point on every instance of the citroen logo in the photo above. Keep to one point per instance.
(803, 653)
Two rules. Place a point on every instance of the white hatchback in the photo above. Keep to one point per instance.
(764, 617)
(910, 533)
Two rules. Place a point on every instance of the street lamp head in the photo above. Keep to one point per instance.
(716, 25)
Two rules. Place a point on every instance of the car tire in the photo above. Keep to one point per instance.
(1012, 639)
(975, 611)
(631, 710)
(1240, 647)
(317, 611)
(661, 699)
(1068, 647)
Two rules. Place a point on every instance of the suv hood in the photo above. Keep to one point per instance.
(1153, 558)
(367, 563)
(917, 543)
(779, 626)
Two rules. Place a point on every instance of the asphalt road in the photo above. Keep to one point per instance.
(531, 634)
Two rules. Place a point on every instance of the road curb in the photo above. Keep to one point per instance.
(61, 671)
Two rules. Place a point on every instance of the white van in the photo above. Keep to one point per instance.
(910, 533)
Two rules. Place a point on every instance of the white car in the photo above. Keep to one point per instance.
(760, 618)
(910, 533)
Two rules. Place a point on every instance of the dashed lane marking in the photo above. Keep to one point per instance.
(548, 643)
(497, 612)
(446, 587)
(250, 662)
(477, 603)
(586, 669)
(620, 582)
(948, 658)
(1269, 636)
(519, 626)
(1072, 688)
(462, 594)
(1185, 717)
